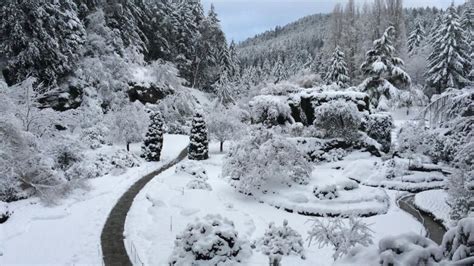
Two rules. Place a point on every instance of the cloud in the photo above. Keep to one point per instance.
(241, 19)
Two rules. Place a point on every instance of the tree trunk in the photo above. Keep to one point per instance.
(222, 146)
(128, 146)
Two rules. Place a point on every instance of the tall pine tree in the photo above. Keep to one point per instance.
(153, 143)
(382, 64)
(223, 89)
(198, 145)
(337, 72)
(415, 38)
(449, 62)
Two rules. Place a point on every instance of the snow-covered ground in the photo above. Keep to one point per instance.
(435, 202)
(69, 232)
(164, 207)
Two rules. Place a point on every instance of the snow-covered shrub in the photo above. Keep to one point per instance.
(65, 151)
(348, 185)
(198, 184)
(102, 164)
(338, 119)
(193, 169)
(212, 240)
(342, 237)
(333, 155)
(270, 110)
(198, 143)
(460, 197)
(458, 242)
(379, 127)
(279, 241)
(263, 159)
(94, 137)
(408, 249)
(328, 192)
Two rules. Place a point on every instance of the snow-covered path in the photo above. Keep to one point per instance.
(69, 233)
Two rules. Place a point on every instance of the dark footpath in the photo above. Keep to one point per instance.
(112, 238)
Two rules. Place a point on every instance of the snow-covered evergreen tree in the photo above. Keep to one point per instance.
(415, 38)
(39, 38)
(384, 69)
(382, 64)
(337, 72)
(279, 241)
(467, 24)
(449, 63)
(223, 89)
(153, 143)
(198, 145)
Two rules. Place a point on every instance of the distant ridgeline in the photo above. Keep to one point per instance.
(70, 45)
(307, 44)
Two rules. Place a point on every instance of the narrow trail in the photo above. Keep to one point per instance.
(114, 251)
(434, 229)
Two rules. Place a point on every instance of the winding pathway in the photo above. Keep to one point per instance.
(112, 238)
(435, 230)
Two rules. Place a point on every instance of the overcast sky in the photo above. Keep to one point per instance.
(241, 19)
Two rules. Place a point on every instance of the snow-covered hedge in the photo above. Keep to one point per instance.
(262, 160)
(280, 89)
(338, 119)
(303, 103)
(270, 110)
(212, 240)
(379, 127)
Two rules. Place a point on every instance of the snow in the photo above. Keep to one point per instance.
(69, 233)
(164, 208)
(435, 202)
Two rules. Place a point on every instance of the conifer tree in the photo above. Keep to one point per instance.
(382, 64)
(39, 38)
(337, 72)
(449, 62)
(415, 38)
(223, 88)
(198, 145)
(153, 143)
(467, 24)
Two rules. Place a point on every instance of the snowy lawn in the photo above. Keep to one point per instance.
(165, 206)
(435, 202)
(69, 232)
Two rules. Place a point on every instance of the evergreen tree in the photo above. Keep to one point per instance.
(39, 38)
(467, 24)
(235, 61)
(415, 38)
(337, 72)
(153, 143)
(382, 64)
(449, 62)
(223, 89)
(198, 145)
